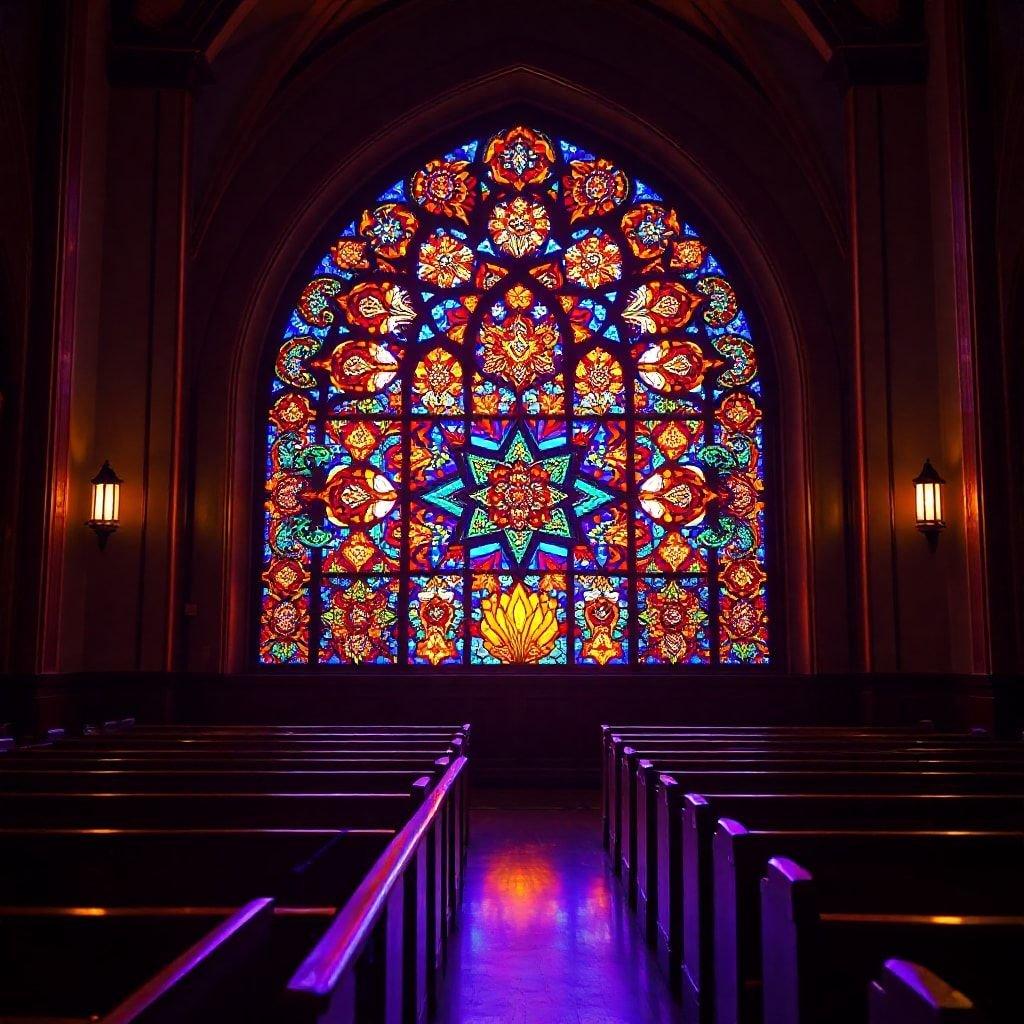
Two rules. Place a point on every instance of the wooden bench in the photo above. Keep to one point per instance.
(275, 748)
(638, 856)
(150, 964)
(99, 862)
(348, 727)
(228, 810)
(377, 961)
(210, 781)
(235, 762)
(193, 866)
(900, 871)
(612, 735)
(661, 746)
(622, 783)
(828, 781)
(686, 825)
(818, 961)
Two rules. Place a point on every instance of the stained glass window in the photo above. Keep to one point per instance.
(515, 417)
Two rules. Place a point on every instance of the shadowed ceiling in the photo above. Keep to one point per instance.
(245, 54)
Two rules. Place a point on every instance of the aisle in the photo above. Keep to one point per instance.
(545, 936)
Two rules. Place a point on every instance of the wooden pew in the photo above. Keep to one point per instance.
(697, 965)
(970, 757)
(638, 857)
(685, 830)
(818, 961)
(206, 763)
(151, 964)
(339, 736)
(250, 748)
(908, 745)
(211, 781)
(197, 757)
(198, 810)
(193, 866)
(348, 727)
(637, 734)
(622, 781)
(905, 871)
(907, 993)
(378, 960)
(95, 860)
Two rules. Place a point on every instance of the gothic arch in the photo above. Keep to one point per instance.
(786, 317)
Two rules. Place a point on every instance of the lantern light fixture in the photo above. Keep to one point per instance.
(106, 503)
(928, 496)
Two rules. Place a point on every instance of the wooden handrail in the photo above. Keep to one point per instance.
(228, 939)
(337, 951)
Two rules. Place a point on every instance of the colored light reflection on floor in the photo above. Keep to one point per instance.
(520, 890)
(544, 935)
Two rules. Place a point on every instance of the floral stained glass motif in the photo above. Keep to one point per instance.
(515, 417)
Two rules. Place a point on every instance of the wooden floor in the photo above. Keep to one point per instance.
(544, 933)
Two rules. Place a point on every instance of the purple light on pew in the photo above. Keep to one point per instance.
(157, 987)
(929, 987)
(339, 948)
(791, 870)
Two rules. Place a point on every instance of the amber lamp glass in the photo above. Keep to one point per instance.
(106, 503)
(928, 496)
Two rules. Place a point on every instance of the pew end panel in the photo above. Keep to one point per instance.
(668, 918)
(697, 920)
(627, 821)
(907, 993)
(731, 947)
(646, 849)
(788, 914)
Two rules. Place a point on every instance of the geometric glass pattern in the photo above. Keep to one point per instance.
(515, 418)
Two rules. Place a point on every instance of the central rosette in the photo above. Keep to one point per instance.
(520, 497)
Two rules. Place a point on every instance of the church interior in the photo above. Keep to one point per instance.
(512, 511)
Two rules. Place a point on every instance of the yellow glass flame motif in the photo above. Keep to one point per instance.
(520, 627)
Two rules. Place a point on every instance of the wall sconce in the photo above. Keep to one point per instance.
(106, 503)
(928, 494)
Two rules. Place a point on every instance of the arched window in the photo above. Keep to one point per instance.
(515, 418)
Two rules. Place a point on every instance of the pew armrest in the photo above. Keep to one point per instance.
(196, 978)
(325, 981)
(908, 993)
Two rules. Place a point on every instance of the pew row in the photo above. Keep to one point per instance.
(382, 955)
(622, 753)
(209, 810)
(150, 965)
(168, 847)
(919, 873)
(638, 858)
(817, 963)
(613, 737)
(685, 831)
